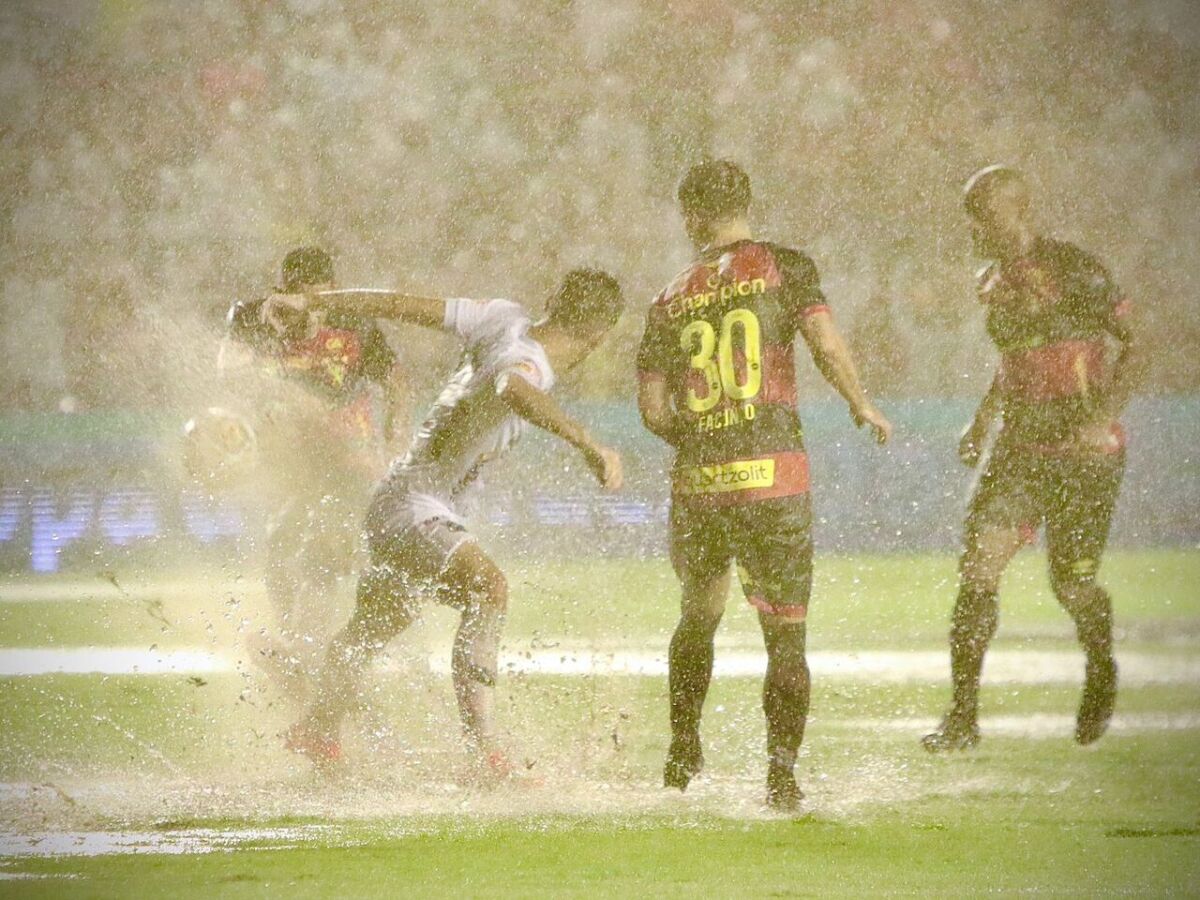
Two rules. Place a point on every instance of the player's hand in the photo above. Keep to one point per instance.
(868, 415)
(970, 446)
(605, 464)
(1093, 438)
(271, 312)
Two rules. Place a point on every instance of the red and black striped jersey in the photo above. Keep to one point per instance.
(335, 359)
(1049, 313)
(721, 336)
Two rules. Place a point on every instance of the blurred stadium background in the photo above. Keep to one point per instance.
(159, 159)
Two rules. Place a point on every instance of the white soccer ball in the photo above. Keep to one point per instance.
(220, 447)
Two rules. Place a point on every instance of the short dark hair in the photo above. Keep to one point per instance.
(586, 298)
(980, 186)
(306, 265)
(715, 189)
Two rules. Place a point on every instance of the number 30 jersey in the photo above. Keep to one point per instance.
(720, 336)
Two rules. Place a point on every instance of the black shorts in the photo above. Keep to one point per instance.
(1073, 496)
(771, 541)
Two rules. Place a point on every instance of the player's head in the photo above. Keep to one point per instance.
(306, 269)
(997, 200)
(711, 193)
(588, 302)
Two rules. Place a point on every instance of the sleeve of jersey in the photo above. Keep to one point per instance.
(652, 359)
(472, 319)
(1094, 293)
(378, 356)
(802, 295)
(242, 324)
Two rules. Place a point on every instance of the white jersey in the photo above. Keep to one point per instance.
(469, 424)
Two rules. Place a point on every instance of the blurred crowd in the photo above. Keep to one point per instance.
(160, 156)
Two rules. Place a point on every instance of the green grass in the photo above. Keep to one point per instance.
(166, 754)
(938, 851)
(860, 602)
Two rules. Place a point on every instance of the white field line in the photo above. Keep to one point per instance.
(105, 843)
(1031, 725)
(1003, 666)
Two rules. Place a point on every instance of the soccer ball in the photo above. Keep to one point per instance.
(220, 447)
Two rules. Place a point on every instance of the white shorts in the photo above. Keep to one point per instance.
(412, 532)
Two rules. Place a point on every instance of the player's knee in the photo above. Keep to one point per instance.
(699, 620)
(980, 572)
(489, 590)
(1074, 581)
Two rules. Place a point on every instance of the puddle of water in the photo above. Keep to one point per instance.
(105, 843)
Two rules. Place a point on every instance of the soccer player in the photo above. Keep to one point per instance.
(416, 531)
(1053, 312)
(314, 380)
(717, 382)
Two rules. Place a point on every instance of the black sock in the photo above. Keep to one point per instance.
(786, 691)
(691, 664)
(976, 614)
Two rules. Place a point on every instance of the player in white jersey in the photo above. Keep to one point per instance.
(415, 528)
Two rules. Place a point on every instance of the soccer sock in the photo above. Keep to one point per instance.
(349, 654)
(786, 691)
(976, 615)
(1091, 609)
(379, 615)
(690, 668)
(473, 666)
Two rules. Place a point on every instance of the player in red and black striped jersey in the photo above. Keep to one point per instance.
(1054, 313)
(321, 390)
(717, 381)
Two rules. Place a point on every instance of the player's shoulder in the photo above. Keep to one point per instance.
(794, 264)
(241, 311)
(346, 320)
(243, 319)
(1070, 257)
(785, 252)
(486, 320)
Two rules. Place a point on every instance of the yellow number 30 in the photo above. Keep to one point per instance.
(720, 376)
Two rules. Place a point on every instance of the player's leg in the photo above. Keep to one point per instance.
(1076, 532)
(1002, 516)
(384, 607)
(775, 570)
(283, 580)
(701, 561)
(475, 585)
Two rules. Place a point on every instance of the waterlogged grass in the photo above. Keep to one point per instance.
(940, 847)
(172, 754)
(899, 602)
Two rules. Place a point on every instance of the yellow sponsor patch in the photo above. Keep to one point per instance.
(741, 475)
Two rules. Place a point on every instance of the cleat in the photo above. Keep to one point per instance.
(783, 795)
(685, 760)
(498, 767)
(956, 732)
(1096, 706)
(494, 768)
(323, 752)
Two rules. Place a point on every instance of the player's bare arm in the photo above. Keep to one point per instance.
(970, 445)
(1127, 374)
(658, 414)
(832, 357)
(397, 396)
(540, 409)
(369, 302)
